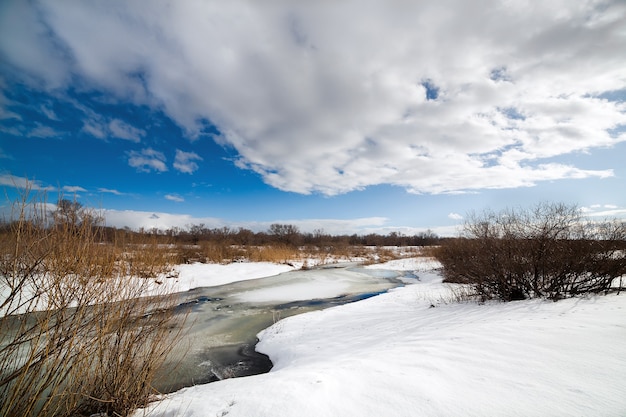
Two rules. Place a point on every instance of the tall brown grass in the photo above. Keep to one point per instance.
(77, 337)
(224, 253)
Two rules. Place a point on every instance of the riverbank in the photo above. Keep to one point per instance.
(222, 321)
(417, 351)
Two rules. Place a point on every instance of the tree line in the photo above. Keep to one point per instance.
(74, 213)
(289, 234)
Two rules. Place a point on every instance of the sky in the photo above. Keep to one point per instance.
(344, 116)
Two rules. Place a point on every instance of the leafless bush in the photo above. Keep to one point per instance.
(549, 251)
(76, 337)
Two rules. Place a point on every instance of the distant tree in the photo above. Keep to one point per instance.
(244, 236)
(426, 238)
(285, 233)
(72, 213)
(195, 232)
(67, 211)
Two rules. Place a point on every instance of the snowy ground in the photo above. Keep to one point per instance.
(397, 355)
(185, 277)
(211, 275)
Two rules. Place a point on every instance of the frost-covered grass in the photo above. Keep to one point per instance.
(415, 352)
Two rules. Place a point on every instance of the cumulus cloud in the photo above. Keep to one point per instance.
(434, 96)
(184, 161)
(143, 219)
(455, 216)
(138, 219)
(147, 160)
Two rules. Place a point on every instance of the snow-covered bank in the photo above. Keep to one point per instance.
(183, 278)
(210, 275)
(395, 355)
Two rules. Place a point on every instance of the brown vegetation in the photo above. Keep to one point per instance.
(549, 251)
(76, 338)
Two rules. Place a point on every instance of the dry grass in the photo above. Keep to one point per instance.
(76, 338)
(275, 253)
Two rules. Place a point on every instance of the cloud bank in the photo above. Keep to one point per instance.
(438, 96)
(163, 221)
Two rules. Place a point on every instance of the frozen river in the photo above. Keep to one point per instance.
(220, 332)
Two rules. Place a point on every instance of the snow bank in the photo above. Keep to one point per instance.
(395, 355)
(313, 284)
(419, 264)
(184, 278)
(210, 275)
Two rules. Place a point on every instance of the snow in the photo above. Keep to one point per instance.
(183, 278)
(209, 275)
(309, 285)
(416, 351)
(408, 264)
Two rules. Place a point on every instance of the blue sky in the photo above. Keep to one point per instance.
(351, 116)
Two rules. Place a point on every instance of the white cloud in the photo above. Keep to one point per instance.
(100, 127)
(331, 97)
(184, 161)
(455, 216)
(34, 185)
(24, 38)
(147, 160)
(122, 130)
(607, 211)
(4, 103)
(147, 220)
(174, 197)
(49, 113)
(94, 128)
(41, 131)
(23, 183)
(30, 184)
(110, 191)
(73, 189)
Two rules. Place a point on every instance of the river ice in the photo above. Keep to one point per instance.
(220, 332)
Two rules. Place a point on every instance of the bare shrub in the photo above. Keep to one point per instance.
(76, 337)
(147, 258)
(549, 251)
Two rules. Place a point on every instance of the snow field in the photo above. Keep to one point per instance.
(395, 355)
